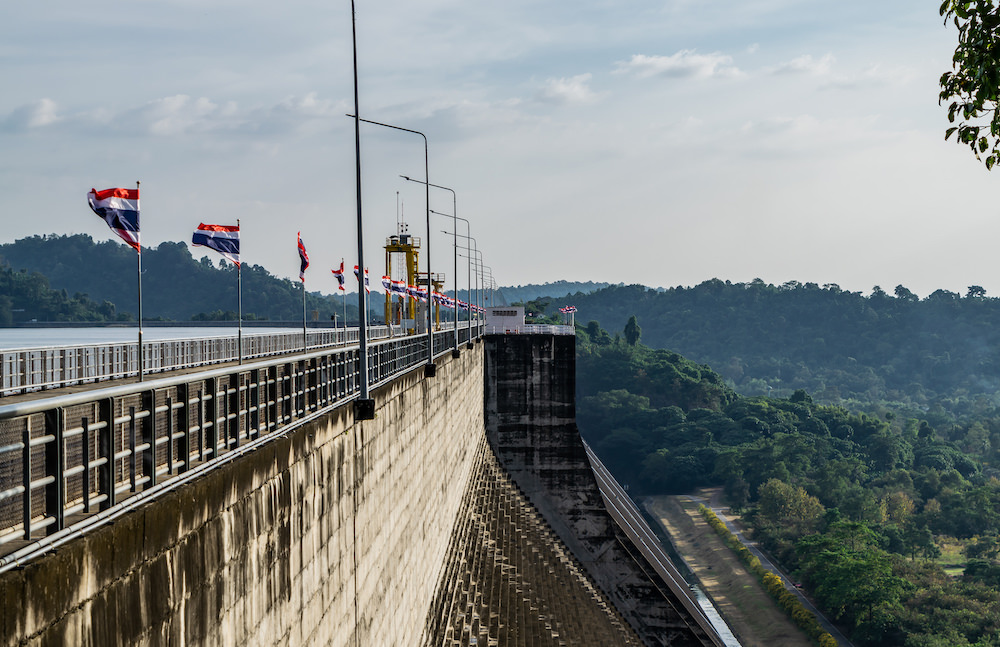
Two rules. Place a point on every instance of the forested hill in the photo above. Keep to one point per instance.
(554, 289)
(838, 345)
(175, 286)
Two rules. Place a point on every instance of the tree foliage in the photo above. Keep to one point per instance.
(850, 502)
(175, 285)
(973, 85)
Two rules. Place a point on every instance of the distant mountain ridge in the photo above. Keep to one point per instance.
(175, 286)
(942, 351)
(556, 289)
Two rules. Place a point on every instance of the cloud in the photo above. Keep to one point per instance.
(180, 115)
(37, 114)
(575, 89)
(805, 64)
(683, 64)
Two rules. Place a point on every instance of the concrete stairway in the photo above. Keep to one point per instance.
(510, 581)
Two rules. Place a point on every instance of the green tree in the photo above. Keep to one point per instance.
(632, 331)
(973, 84)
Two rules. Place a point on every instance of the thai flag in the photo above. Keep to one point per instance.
(399, 287)
(120, 209)
(357, 275)
(569, 309)
(224, 239)
(339, 275)
(303, 258)
(387, 284)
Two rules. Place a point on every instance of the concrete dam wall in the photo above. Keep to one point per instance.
(335, 534)
(465, 513)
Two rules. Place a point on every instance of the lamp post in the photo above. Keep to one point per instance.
(474, 250)
(478, 257)
(364, 406)
(429, 368)
(468, 292)
(454, 212)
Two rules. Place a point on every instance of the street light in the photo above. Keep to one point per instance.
(429, 368)
(478, 258)
(364, 406)
(454, 209)
(468, 294)
(479, 273)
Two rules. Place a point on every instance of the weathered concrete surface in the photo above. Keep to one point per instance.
(333, 535)
(510, 581)
(531, 424)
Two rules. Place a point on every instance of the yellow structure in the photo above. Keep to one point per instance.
(402, 252)
(400, 310)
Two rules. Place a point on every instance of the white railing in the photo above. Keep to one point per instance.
(73, 461)
(34, 369)
(530, 329)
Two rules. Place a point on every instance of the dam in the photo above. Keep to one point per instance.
(248, 505)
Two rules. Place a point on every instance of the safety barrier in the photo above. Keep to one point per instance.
(36, 369)
(66, 458)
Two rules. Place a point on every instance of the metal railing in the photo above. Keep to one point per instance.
(530, 329)
(35, 369)
(73, 460)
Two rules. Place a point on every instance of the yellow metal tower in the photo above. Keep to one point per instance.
(400, 310)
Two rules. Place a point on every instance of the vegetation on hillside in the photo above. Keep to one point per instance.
(937, 357)
(175, 285)
(855, 504)
(522, 293)
(26, 296)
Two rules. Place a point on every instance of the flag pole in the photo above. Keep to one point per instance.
(138, 263)
(345, 298)
(239, 300)
(305, 343)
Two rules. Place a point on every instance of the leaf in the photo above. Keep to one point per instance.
(951, 131)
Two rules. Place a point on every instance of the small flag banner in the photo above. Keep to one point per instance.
(357, 275)
(120, 209)
(224, 239)
(339, 275)
(568, 309)
(303, 258)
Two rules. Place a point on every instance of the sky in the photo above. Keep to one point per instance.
(655, 142)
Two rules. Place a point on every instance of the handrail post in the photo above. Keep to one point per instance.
(26, 477)
(54, 466)
(149, 438)
(106, 447)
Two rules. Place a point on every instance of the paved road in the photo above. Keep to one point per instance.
(769, 565)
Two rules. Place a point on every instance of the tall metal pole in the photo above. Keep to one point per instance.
(454, 216)
(305, 340)
(138, 263)
(364, 407)
(479, 274)
(429, 368)
(468, 292)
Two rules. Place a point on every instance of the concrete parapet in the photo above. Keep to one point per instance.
(333, 534)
